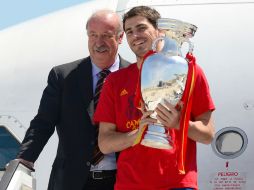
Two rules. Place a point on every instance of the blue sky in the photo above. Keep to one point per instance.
(16, 11)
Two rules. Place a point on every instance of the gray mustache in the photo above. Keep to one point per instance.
(101, 48)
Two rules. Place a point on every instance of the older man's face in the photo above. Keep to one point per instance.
(103, 41)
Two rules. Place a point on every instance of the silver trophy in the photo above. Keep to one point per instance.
(164, 75)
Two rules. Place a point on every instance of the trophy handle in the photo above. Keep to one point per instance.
(191, 46)
(170, 46)
(168, 49)
(154, 45)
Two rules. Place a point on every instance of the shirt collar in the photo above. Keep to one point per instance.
(113, 67)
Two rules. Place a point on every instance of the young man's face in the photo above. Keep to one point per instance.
(140, 35)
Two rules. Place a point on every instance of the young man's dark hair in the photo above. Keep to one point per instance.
(151, 14)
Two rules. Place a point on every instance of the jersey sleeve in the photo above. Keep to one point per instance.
(202, 100)
(105, 111)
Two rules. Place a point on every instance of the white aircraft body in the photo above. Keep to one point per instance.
(223, 48)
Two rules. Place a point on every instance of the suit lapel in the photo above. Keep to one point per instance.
(86, 81)
(123, 63)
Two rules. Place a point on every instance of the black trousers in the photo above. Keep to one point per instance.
(100, 184)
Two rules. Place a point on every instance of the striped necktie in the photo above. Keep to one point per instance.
(97, 154)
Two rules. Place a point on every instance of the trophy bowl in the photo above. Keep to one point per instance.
(163, 77)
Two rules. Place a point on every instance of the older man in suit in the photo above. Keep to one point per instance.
(67, 104)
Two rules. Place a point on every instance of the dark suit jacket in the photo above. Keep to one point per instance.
(64, 105)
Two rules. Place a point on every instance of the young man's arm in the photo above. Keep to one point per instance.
(202, 129)
(110, 140)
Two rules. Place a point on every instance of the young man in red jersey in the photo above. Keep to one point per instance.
(141, 167)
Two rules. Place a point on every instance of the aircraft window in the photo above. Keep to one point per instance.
(9, 147)
(230, 142)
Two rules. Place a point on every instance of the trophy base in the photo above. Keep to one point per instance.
(155, 144)
(156, 137)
